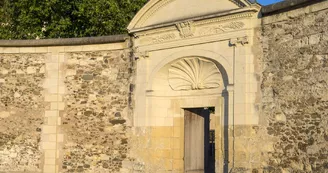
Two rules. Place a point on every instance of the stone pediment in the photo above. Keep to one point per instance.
(157, 12)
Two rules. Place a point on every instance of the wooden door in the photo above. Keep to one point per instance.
(196, 123)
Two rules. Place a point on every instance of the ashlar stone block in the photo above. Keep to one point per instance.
(49, 129)
(48, 145)
(49, 153)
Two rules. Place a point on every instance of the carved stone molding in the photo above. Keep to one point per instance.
(225, 18)
(238, 2)
(152, 11)
(234, 25)
(194, 73)
(158, 39)
(195, 24)
(216, 29)
(190, 29)
(186, 29)
(238, 41)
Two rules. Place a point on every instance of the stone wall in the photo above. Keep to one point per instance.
(95, 118)
(65, 108)
(69, 108)
(294, 89)
(21, 111)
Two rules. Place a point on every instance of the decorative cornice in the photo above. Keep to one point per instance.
(198, 22)
(152, 6)
(187, 30)
(149, 13)
(225, 18)
(238, 3)
(190, 41)
(146, 11)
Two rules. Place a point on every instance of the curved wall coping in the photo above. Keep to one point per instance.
(64, 41)
(286, 5)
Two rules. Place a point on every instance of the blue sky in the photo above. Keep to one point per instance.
(267, 2)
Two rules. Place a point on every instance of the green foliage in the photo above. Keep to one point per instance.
(31, 19)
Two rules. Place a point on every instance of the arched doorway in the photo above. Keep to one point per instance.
(189, 96)
(163, 37)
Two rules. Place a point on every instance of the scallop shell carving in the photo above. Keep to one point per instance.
(194, 74)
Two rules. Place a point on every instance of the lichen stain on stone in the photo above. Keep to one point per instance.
(97, 84)
(21, 107)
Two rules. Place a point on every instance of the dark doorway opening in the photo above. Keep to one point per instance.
(199, 144)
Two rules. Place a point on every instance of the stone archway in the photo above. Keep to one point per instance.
(187, 83)
(164, 36)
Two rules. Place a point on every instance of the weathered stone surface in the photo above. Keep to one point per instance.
(278, 113)
(95, 120)
(21, 105)
(294, 88)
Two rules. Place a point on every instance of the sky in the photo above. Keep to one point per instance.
(267, 2)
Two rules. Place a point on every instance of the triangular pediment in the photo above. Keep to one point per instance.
(157, 12)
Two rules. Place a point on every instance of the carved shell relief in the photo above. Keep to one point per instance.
(194, 73)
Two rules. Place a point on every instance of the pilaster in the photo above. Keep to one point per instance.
(52, 137)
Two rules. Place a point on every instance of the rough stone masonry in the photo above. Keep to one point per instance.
(294, 89)
(67, 106)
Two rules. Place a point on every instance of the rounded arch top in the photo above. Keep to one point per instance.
(194, 73)
(222, 64)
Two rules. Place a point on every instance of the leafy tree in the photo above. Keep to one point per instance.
(31, 19)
